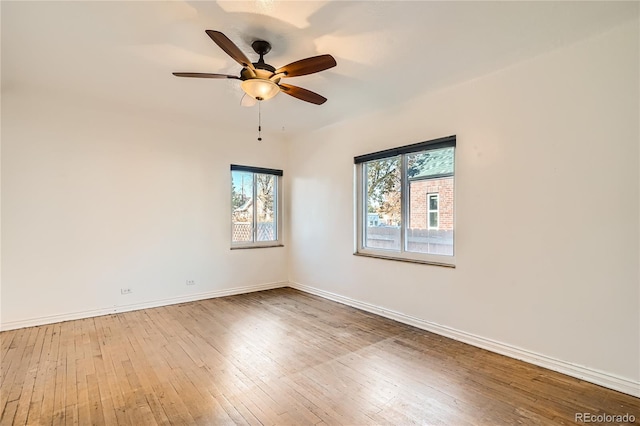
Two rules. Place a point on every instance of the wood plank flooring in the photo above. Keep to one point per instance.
(274, 357)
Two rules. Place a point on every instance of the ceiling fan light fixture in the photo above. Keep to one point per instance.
(260, 89)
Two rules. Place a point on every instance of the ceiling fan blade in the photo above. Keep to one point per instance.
(307, 66)
(203, 75)
(248, 101)
(303, 94)
(230, 48)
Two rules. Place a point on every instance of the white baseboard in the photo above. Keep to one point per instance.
(587, 374)
(31, 322)
(591, 375)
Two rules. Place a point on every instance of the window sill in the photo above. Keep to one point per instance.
(404, 259)
(256, 247)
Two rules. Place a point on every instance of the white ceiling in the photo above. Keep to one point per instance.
(123, 53)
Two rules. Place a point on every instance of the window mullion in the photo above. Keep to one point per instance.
(403, 202)
(255, 208)
(274, 194)
(359, 212)
(276, 208)
(363, 205)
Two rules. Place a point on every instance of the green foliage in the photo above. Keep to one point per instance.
(383, 188)
(383, 177)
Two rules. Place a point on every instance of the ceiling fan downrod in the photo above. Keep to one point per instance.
(262, 47)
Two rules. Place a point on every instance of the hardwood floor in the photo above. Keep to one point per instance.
(275, 357)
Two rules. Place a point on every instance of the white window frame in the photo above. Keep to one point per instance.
(429, 210)
(360, 214)
(277, 208)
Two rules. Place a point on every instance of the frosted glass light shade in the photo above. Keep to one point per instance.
(260, 89)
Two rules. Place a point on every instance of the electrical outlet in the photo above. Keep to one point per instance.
(191, 282)
(126, 290)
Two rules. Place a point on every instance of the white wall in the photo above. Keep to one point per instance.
(96, 197)
(547, 192)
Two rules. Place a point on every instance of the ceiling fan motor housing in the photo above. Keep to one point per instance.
(260, 72)
(261, 65)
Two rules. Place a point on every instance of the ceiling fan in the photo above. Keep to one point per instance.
(260, 80)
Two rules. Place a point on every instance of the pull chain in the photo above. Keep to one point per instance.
(259, 121)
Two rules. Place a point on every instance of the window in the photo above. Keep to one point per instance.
(432, 211)
(405, 202)
(255, 207)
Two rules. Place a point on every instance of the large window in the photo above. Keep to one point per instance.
(405, 202)
(255, 207)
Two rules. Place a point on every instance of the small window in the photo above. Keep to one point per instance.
(255, 207)
(405, 202)
(432, 211)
